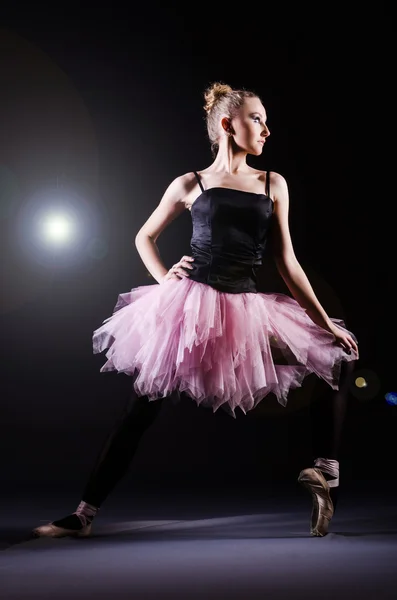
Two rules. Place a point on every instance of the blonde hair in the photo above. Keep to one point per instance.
(222, 100)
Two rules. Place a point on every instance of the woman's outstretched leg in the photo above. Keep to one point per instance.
(327, 417)
(112, 464)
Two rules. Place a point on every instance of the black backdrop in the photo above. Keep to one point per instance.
(104, 106)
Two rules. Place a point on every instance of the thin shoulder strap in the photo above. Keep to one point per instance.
(267, 183)
(199, 180)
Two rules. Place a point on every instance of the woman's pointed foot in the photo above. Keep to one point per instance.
(314, 481)
(70, 526)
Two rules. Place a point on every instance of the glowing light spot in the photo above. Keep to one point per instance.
(57, 228)
(361, 382)
(365, 384)
(391, 398)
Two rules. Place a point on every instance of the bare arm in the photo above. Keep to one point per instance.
(286, 261)
(291, 271)
(170, 207)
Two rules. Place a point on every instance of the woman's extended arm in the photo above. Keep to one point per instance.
(289, 267)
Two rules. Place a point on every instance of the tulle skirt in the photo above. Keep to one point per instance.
(221, 349)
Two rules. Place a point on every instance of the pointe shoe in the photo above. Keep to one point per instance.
(53, 531)
(323, 508)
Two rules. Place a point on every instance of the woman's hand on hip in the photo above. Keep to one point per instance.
(178, 271)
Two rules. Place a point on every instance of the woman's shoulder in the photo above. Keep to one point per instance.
(276, 180)
(184, 183)
(182, 190)
(273, 175)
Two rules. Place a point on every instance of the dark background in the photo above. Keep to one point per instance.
(103, 106)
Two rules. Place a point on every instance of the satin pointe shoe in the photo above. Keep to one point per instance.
(54, 531)
(323, 509)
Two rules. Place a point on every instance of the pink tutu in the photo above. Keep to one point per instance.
(219, 348)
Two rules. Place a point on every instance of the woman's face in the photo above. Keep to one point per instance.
(249, 129)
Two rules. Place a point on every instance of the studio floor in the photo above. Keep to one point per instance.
(183, 543)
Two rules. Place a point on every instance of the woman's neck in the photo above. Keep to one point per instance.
(229, 161)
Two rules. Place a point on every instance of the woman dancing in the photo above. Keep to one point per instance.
(205, 333)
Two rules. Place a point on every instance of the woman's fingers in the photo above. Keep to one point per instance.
(182, 265)
(350, 344)
(354, 345)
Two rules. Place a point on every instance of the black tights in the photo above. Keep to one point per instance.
(327, 416)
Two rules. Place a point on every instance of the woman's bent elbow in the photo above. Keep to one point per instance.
(140, 236)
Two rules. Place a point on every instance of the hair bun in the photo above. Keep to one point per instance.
(214, 93)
